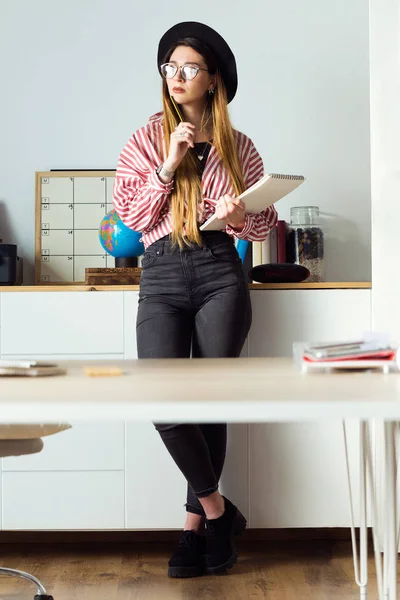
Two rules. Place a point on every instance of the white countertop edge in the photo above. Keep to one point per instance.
(194, 412)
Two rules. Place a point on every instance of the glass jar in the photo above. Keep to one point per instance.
(305, 241)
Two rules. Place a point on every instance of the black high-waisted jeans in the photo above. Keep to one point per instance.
(194, 302)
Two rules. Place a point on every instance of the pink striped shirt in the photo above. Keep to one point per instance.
(141, 199)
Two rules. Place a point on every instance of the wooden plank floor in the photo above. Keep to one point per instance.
(284, 570)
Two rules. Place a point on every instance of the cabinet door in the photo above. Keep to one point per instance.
(235, 474)
(281, 317)
(297, 470)
(130, 314)
(62, 323)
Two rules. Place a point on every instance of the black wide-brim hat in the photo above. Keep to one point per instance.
(215, 42)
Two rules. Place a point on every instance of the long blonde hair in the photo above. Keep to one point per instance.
(187, 180)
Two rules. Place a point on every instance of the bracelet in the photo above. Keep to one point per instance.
(161, 170)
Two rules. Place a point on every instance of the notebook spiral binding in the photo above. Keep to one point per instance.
(281, 176)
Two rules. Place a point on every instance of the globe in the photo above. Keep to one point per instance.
(117, 239)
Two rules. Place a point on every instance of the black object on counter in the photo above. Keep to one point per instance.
(8, 264)
(279, 273)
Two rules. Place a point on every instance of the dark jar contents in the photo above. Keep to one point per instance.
(305, 241)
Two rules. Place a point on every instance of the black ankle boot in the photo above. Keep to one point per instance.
(221, 552)
(188, 559)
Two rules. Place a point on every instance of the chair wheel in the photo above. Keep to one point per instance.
(43, 597)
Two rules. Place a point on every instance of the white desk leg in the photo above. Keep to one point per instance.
(386, 573)
(375, 516)
(390, 506)
(360, 573)
(363, 513)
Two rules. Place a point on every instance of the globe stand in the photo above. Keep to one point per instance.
(126, 261)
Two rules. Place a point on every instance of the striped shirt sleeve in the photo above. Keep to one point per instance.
(257, 225)
(139, 196)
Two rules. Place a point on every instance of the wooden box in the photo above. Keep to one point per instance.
(117, 276)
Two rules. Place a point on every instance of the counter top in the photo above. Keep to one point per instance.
(81, 287)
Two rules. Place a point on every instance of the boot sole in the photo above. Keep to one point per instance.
(186, 572)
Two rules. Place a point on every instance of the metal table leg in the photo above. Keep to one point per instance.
(360, 558)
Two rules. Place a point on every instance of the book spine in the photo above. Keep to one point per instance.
(241, 247)
(257, 254)
(273, 235)
(281, 241)
(266, 251)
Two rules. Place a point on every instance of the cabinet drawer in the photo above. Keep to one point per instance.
(63, 500)
(84, 447)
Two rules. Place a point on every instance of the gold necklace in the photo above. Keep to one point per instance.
(201, 155)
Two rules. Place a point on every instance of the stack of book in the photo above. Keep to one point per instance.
(29, 368)
(271, 251)
(368, 352)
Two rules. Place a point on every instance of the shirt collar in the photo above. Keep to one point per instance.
(157, 117)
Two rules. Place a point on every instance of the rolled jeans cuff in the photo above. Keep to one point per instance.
(194, 510)
(207, 492)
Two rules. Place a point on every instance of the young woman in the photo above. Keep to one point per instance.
(175, 172)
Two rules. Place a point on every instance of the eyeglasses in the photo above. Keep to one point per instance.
(188, 72)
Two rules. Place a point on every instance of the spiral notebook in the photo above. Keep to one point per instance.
(268, 190)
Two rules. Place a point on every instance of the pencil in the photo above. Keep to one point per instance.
(176, 108)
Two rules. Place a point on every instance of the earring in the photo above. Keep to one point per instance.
(211, 91)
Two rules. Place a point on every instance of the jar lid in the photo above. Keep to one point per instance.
(304, 215)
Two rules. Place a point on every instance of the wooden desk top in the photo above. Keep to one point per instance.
(200, 390)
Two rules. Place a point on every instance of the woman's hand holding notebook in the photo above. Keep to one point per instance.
(268, 190)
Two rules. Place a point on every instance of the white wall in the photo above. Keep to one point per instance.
(385, 164)
(79, 76)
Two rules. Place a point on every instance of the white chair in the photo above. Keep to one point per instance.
(19, 440)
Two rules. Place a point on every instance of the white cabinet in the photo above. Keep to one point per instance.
(62, 323)
(75, 482)
(78, 480)
(297, 472)
(118, 475)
